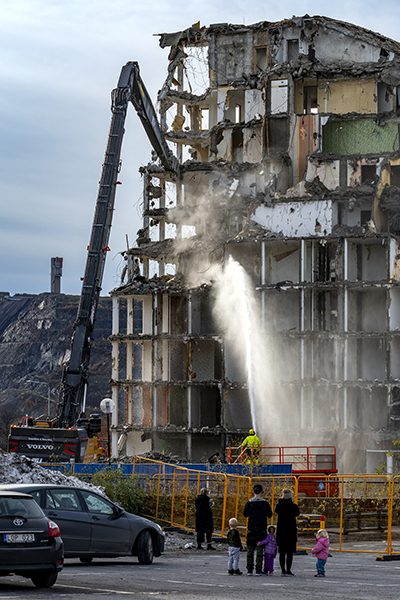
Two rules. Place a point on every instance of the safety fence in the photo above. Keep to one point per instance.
(360, 512)
(300, 458)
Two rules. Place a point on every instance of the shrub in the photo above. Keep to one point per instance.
(125, 491)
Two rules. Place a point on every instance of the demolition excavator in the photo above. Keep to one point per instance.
(73, 435)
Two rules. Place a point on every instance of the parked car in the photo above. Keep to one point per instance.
(30, 543)
(91, 526)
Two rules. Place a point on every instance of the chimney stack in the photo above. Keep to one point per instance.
(56, 272)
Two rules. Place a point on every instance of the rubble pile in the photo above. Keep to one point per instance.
(141, 285)
(15, 468)
(153, 455)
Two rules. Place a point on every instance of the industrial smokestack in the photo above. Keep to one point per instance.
(56, 272)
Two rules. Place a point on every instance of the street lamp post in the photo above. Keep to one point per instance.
(48, 392)
(107, 406)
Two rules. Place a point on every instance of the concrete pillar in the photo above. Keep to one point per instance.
(115, 374)
(263, 280)
(389, 464)
(189, 388)
(129, 357)
(302, 328)
(345, 329)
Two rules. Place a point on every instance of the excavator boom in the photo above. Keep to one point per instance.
(72, 401)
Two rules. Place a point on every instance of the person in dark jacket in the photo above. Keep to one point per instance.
(257, 510)
(286, 531)
(204, 519)
(234, 548)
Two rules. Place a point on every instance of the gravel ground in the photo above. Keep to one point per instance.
(177, 542)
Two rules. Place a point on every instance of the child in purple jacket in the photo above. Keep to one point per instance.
(269, 551)
(321, 551)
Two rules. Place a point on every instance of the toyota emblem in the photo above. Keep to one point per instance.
(18, 522)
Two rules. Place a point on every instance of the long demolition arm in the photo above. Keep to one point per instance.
(75, 374)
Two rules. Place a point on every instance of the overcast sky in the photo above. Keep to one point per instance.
(60, 61)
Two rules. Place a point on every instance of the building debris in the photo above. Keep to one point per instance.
(15, 468)
(289, 153)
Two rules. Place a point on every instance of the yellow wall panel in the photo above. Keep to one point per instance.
(348, 96)
(341, 97)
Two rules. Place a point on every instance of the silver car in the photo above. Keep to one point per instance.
(91, 526)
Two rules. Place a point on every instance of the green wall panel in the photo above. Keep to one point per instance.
(359, 137)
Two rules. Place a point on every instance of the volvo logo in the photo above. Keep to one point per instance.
(18, 522)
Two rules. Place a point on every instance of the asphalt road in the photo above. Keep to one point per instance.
(192, 574)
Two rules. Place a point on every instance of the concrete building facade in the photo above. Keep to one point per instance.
(288, 139)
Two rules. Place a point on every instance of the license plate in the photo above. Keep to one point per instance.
(18, 538)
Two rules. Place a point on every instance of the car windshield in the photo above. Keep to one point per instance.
(23, 507)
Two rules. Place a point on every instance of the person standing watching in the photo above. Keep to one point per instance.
(286, 531)
(204, 519)
(257, 510)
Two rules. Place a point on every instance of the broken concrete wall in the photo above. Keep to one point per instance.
(230, 56)
(297, 219)
(328, 172)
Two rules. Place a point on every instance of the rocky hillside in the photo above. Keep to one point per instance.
(35, 336)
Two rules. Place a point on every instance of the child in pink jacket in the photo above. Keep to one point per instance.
(321, 551)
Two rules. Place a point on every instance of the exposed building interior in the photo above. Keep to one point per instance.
(288, 139)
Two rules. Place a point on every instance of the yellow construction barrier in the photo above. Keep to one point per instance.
(357, 510)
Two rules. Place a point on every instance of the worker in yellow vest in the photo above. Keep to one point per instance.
(251, 448)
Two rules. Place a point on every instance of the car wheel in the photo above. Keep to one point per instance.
(45, 579)
(86, 559)
(145, 550)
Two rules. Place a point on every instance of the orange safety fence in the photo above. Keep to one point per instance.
(360, 512)
(356, 510)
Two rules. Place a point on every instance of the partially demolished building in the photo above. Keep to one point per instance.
(288, 138)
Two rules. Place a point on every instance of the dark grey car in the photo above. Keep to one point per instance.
(30, 543)
(91, 526)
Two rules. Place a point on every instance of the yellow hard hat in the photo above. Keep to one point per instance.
(251, 432)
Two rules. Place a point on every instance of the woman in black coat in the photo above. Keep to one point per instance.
(204, 518)
(286, 530)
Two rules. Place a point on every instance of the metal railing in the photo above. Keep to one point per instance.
(302, 458)
(357, 510)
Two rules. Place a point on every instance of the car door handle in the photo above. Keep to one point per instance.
(52, 514)
(95, 518)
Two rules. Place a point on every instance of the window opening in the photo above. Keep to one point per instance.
(310, 99)
(368, 173)
(324, 265)
(260, 58)
(365, 216)
(395, 175)
(204, 119)
(384, 102)
(293, 49)
(237, 145)
(326, 311)
(238, 113)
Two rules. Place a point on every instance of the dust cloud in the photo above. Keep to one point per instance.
(236, 309)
